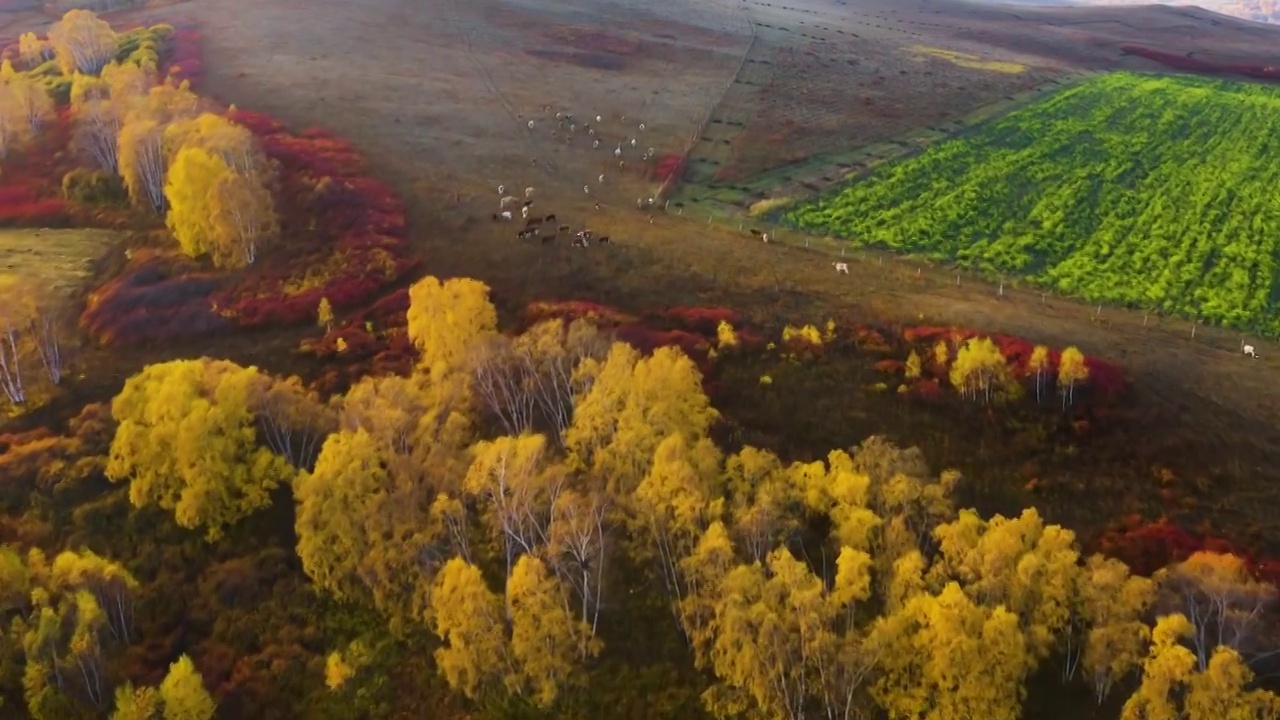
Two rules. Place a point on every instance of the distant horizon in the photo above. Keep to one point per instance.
(1264, 11)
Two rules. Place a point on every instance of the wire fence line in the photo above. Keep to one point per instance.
(673, 179)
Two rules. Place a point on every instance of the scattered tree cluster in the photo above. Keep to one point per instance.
(66, 616)
(205, 174)
(1153, 192)
(491, 495)
(30, 318)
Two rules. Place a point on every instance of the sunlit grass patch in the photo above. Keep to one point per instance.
(968, 60)
(60, 260)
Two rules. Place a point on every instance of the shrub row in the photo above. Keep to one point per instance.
(344, 232)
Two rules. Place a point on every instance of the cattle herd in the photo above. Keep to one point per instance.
(540, 226)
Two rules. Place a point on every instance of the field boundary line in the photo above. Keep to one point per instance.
(668, 185)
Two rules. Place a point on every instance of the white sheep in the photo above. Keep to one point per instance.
(524, 213)
(842, 267)
(528, 192)
(641, 127)
(1250, 352)
(508, 200)
(595, 143)
(633, 142)
(600, 179)
(597, 118)
(505, 214)
(502, 189)
(586, 189)
(618, 152)
(530, 124)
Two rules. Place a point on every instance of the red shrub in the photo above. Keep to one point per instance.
(390, 311)
(259, 124)
(1106, 379)
(870, 340)
(16, 195)
(890, 366)
(1147, 548)
(573, 310)
(182, 58)
(670, 168)
(700, 319)
(646, 340)
(927, 389)
(153, 301)
(337, 224)
(50, 212)
(11, 440)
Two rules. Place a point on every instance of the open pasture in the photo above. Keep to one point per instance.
(57, 260)
(1143, 191)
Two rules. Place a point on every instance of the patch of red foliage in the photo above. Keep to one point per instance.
(343, 232)
(670, 168)
(1191, 64)
(870, 340)
(376, 344)
(927, 389)
(1106, 379)
(647, 339)
(31, 186)
(704, 320)
(890, 366)
(570, 310)
(18, 439)
(1148, 546)
(182, 59)
(21, 206)
(158, 298)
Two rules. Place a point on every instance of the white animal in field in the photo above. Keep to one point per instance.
(1249, 351)
(618, 152)
(633, 142)
(595, 143)
(528, 192)
(597, 118)
(842, 268)
(524, 212)
(586, 189)
(507, 200)
(530, 124)
(600, 179)
(641, 127)
(765, 237)
(502, 189)
(505, 214)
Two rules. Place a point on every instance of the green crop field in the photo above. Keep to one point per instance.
(1146, 191)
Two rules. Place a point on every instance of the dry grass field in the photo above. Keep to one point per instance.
(439, 96)
(57, 260)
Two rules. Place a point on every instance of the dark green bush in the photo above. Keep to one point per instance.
(93, 187)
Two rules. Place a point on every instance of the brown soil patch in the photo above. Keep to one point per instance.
(593, 60)
(588, 40)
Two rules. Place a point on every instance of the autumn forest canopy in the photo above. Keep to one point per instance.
(568, 516)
